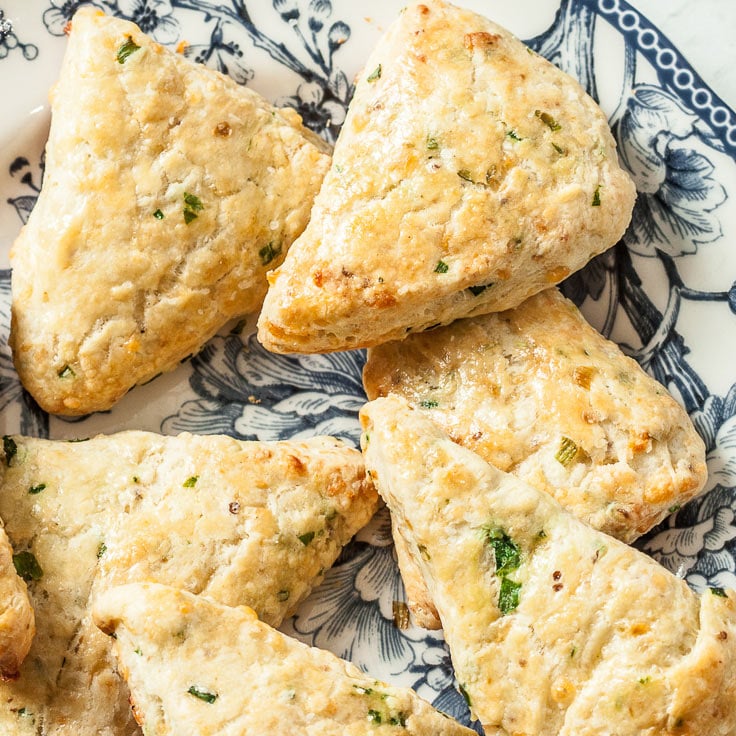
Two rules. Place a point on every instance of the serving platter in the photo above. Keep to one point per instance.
(666, 293)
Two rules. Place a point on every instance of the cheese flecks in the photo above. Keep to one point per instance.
(196, 666)
(242, 522)
(537, 392)
(470, 173)
(169, 191)
(554, 628)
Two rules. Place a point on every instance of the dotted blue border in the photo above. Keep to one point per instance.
(671, 67)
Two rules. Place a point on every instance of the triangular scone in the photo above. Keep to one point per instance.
(244, 522)
(539, 393)
(17, 625)
(195, 666)
(555, 629)
(169, 191)
(470, 173)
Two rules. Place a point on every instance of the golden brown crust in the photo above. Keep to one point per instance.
(512, 386)
(17, 623)
(243, 522)
(470, 173)
(186, 659)
(555, 629)
(152, 228)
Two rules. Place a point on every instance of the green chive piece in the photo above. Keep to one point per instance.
(441, 267)
(512, 134)
(508, 596)
(26, 565)
(33, 490)
(269, 252)
(128, 48)
(548, 120)
(101, 549)
(465, 175)
(429, 404)
(567, 451)
(191, 481)
(158, 215)
(720, 592)
(432, 143)
(596, 197)
(375, 74)
(66, 372)
(202, 694)
(464, 693)
(306, 538)
(475, 290)
(559, 149)
(9, 448)
(192, 205)
(374, 716)
(283, 595)
(506, 552)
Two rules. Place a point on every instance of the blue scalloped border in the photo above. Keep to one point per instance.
(673, 70)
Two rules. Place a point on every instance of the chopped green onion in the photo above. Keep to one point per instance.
(465, 175)
(202, 694)
(158, 215)
(566, 452)
(596, 197)
(101, 549)
(429, 404)
(375, 74)
(441, 267)
(720, 592)
(191, 481)
(508, 596)
(26, 565)
(548, 120)
(432, 143)
(506, 552)
(66, 372)
(192, 205)
(33, 490)
(126, 49)
(306, 538)
(269, 252)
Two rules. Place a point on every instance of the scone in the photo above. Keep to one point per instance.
(17, 623)
(243, 522)
(470, 173)
(537, 392)
(168, 193)
(197, 667)
(555, 629)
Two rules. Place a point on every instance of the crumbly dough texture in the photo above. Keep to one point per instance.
(518, 386)
(601, 639)
(111, 284)
(17, 622)
(243, 522)
(197, 667)
(470, 173)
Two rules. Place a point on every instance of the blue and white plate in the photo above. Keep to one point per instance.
(666, 292)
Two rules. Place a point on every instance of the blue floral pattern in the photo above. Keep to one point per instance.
(675, 137)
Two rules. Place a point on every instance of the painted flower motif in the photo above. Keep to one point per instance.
(61, 12)
(9, 41)
(249, 393)
(665, 148)
(153, 17)
(319, 108)
(222, 53)
(354, 605)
